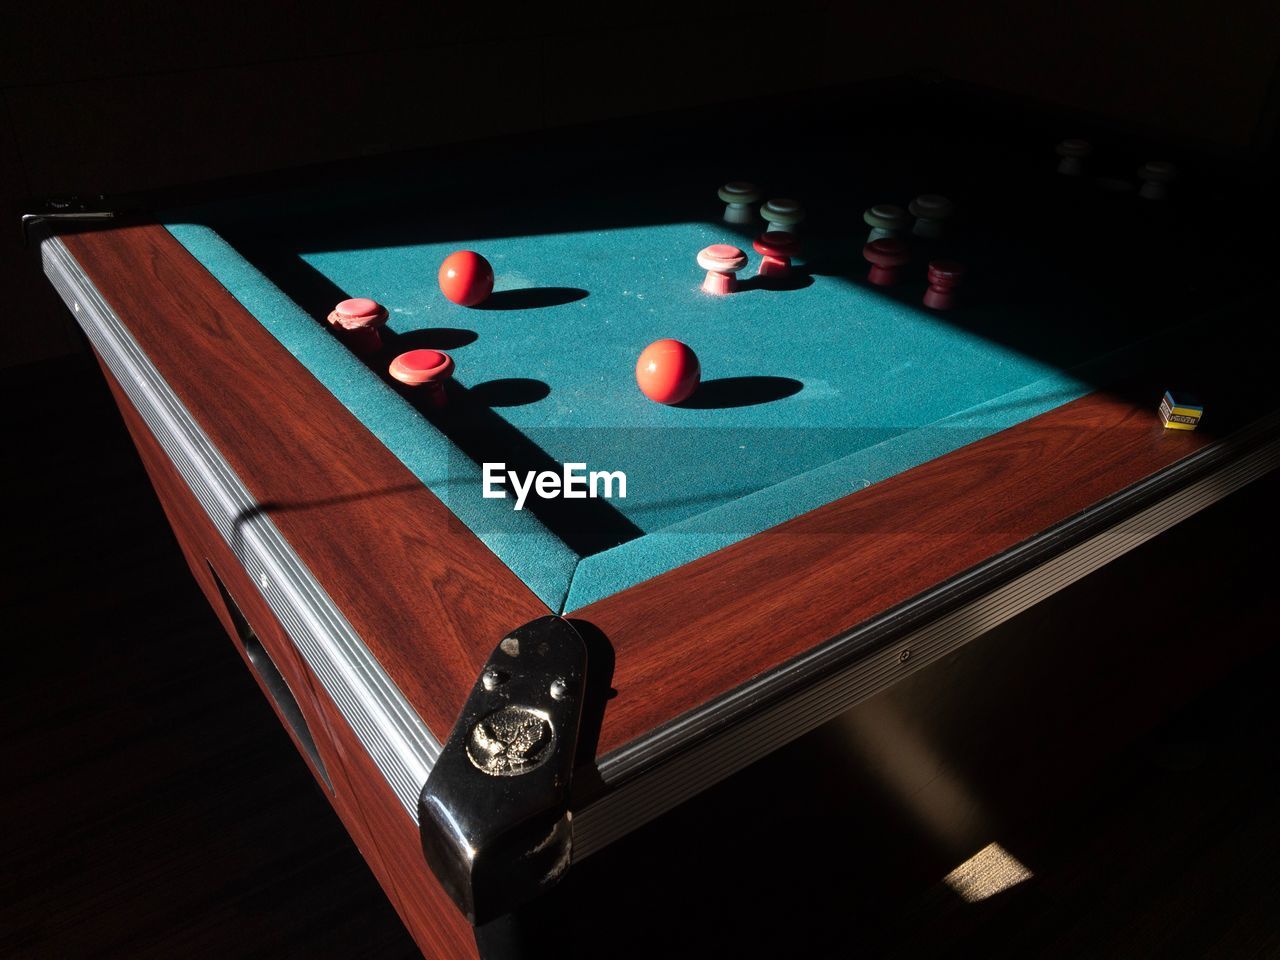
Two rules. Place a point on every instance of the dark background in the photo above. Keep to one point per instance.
(139, 94)
(158, 810)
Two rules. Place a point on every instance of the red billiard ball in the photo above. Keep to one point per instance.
(668, 371)
(466, 278)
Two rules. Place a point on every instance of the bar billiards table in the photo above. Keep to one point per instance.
(859, 486)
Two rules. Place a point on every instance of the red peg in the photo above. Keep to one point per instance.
(722, 263)
(887, 257)
(356, 322)
(424, 369)
(776, 249)
(944, 276)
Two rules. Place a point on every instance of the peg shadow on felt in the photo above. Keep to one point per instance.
(586, 526)
(798, 279)
(432, 338)
(509, 392)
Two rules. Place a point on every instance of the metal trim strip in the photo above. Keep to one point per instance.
(666, 783)
(388, 728)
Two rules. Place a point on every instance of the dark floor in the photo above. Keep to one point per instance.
(154, 808)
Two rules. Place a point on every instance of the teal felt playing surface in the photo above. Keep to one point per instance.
(809, 393)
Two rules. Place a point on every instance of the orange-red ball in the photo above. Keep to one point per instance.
(466, 278)
(668, 371)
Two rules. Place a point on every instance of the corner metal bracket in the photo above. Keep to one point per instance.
(494, 813)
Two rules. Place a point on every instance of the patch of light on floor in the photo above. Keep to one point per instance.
(988, 872)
